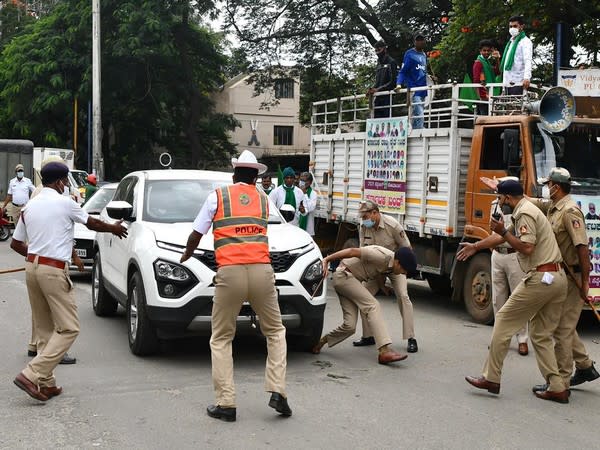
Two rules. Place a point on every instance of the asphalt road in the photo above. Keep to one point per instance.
(340, 399)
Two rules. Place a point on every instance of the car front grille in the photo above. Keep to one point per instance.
(281, 261)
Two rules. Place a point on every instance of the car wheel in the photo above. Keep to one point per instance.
(477, 289)
(142, 335)
(103, 303)
(4, 233)
(305, 342)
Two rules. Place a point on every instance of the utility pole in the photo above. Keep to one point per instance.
(98, 162)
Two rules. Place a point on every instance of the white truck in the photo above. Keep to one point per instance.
(429, 178)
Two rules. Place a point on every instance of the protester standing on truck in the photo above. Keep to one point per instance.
(362, 265)
(19, 192)
(385, 79)
(506, 272)
(385, 231)
(414, 74)
(288, 194)
(239, 214)
(485, 70)
(568, 225)
(538, 298)
(44, 237)
(517, 58)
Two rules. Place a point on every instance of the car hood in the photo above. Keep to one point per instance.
(282, 237)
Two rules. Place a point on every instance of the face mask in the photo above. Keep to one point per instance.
(513, 31)
(506, 209)
(547, 192)
(368, 223)
(301, 184)
(20, 174)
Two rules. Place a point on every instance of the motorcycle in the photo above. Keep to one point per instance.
(5, 227)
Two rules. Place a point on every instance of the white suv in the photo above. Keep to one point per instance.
(165, 299)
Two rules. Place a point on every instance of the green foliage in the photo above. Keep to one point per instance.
(159, 67)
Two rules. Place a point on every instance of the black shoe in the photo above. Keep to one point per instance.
(31, 353)
(363, 341)
(412, 346)
(542, 388)
(66, 359)
(226, 414)
(280, 404)
(583, 375)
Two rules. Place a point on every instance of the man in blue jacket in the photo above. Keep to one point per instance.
(414, 74)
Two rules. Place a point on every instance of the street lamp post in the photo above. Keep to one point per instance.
(98, 162)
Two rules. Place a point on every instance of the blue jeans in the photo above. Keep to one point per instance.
(418, 108)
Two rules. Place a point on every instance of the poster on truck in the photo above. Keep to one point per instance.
(581, 82)
(385, 163)
(590, 206)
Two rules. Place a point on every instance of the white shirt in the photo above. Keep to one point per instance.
(521, 68)
(20, 190)
(277, 196)
(310, 204)
(47, 222)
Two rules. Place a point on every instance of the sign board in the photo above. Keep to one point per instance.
(590, 206)
(385, 163)
(581, 82)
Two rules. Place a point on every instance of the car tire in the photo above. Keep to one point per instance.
(140, 331)
(306, 342)
(103, 303)
(477, 289)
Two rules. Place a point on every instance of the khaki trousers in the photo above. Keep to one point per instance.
(254, 283)
(54, 312)
(506, 276)
(542, 305)
(14, 212)
(355, 297)
(400, 285)
(565, 334)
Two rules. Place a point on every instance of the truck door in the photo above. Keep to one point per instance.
(500, 155)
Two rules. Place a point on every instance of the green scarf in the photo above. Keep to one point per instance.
(488, 72)
(303, 220)
(508, 57)
(290, 198)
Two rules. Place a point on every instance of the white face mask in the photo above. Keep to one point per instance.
(513, 31)
(20, 174)
(547, 192)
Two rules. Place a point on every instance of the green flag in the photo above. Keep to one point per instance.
(466, 95)
(279, 175)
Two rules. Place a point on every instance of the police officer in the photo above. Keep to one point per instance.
(539, 296)
(506, 272)
(357, 266)
(44, 236)
(19, 191)
(569, 228)
(383, 230)
(239, 215)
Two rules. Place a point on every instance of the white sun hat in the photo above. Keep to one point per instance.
(247, 159)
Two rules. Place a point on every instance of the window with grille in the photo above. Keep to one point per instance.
(283, 135)
(284, 88)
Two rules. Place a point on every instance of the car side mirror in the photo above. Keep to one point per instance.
(119, 210)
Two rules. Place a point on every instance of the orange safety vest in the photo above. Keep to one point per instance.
(240, 226)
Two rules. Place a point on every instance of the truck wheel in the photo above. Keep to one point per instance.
(142, 335)
(103, 303)
(477, 289)
(439, 285)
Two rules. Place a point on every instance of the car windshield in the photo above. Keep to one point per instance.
(80, 177)
(99, 200)
(173, 201)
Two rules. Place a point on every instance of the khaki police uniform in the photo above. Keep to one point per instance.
(532, 299)
(506, 274)
(355, 297)
(568, 225)
(390, 234)
(47, 225)
(239, 214)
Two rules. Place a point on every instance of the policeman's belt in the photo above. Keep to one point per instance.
(18, 206)
(505, 250)
(31, 257)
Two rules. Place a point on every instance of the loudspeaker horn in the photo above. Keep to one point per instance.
(556, 109)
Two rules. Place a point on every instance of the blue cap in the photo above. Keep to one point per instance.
(288, 172)
(407, 259)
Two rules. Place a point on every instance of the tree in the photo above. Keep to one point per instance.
(159, 67)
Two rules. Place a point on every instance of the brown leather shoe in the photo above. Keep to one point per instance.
(51, 391)
(523, 349)
(31, 389)
(482, 383)
(391, 356)
(555, 396)
(317, 348)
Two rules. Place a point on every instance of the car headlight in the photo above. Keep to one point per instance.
(311, 278)
(173, 279)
